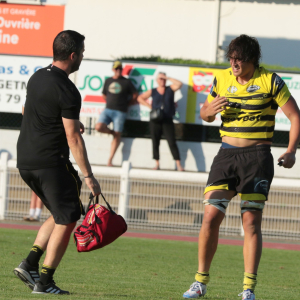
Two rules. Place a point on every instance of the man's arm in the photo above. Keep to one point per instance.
(133, 99)
(209, 110)
(143, 97)
(77, 146)
(292, 112)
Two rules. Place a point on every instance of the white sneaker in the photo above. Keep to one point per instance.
(196, 290)
(247, 295)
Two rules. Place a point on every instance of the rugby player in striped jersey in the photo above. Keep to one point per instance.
(247, 96)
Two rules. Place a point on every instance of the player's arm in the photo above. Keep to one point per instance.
(142, 98)
(291, 110)
(77, 147)
(210, 109)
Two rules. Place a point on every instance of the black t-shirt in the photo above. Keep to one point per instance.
(42, 142)
(167, 99)
(118, 93)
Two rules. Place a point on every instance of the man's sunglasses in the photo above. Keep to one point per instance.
(119, 68)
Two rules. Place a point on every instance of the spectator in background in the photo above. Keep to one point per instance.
(163, 94)
(36, 206)
(119, 93)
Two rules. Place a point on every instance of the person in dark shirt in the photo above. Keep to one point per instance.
(51, 127)
(36, 204)
(163, 94)
(119, 93)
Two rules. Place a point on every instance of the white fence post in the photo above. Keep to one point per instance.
(124, 190)
(3, 183)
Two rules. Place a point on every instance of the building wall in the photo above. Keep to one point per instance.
(185, 28)
(194, 156)
(138, 27)
(273, 23)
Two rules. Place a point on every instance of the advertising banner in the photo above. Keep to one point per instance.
(200, 82)
(15, 72)
(29, 29)
(92, 74)
(293, 83)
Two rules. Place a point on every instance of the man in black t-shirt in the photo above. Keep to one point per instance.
(119, 93)
(51, 127)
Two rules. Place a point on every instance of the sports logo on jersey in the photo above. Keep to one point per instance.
(253, 88)
(115, 88)
(232, 89)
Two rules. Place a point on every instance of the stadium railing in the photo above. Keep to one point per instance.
(165, 201)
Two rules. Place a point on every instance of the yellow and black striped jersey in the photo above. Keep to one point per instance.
(251, 110)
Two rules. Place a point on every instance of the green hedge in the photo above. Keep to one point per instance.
(159, 59)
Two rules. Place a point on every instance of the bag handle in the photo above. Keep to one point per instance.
(97, 201)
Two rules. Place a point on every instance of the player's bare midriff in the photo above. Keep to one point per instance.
(239, 142)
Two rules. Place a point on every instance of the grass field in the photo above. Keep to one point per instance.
(133, 268)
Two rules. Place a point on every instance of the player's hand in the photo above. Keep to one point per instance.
(93, 185)
(216, 106)
(81, 128)
(288, 159)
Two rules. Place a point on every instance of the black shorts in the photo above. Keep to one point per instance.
(59, 189)
(248, 171)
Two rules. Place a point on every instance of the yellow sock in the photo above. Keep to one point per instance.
(249, 281)
(202, 277)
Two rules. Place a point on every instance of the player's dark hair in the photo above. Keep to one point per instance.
(65, 43)
(245, 48)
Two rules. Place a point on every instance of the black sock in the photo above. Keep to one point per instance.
(35, 255)
(47, 273)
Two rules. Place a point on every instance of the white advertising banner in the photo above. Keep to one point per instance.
(15, 72)
(293, 83)
(92, 74)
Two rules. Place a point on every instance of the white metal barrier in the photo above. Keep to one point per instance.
(161, 200)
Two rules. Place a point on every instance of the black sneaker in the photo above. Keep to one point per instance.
(28, 274)
(49, 288)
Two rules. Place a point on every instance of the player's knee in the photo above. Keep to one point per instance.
(220, 204)
(251, 227)
(252, 206)
(210, 223)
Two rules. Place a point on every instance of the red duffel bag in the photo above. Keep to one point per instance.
(100, 227)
